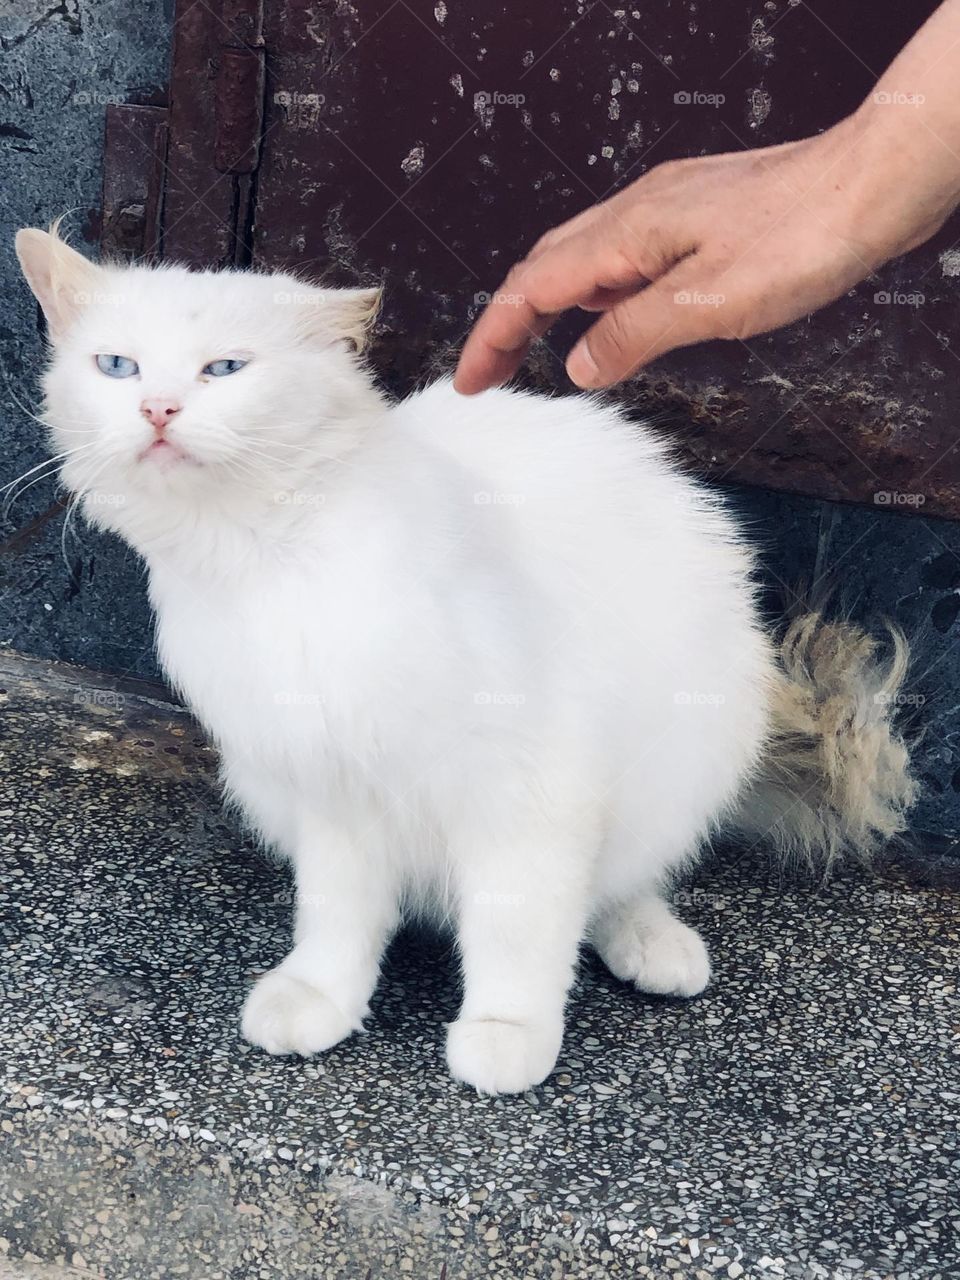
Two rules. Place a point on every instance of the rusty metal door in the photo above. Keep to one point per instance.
(428, 143)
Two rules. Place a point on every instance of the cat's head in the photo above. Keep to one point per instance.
(179, 385)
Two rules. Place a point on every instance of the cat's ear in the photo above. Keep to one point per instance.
(62, 280)
(341, 315)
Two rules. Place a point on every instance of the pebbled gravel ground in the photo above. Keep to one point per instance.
(799, 1119)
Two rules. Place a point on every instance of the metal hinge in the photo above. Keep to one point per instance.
(238, 96)
(177, 180)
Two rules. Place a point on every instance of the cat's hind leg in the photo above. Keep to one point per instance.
(655, 830)
(641, 941)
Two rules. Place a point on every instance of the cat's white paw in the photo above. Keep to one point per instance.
(284, 1015)
(670, 960)
(502, 1057)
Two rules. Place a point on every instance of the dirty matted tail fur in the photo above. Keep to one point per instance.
(835, 783)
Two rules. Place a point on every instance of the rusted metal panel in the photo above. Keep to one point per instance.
(205, 206)
(134, 155)
(433, 144)
(430, 144)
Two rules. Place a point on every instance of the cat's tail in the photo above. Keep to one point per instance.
(835, 781)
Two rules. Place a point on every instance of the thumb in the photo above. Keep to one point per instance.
(671, 312)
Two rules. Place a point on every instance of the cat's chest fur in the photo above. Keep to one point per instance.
(342, 659)
(280, 662)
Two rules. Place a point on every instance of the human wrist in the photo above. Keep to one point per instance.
(904, 174)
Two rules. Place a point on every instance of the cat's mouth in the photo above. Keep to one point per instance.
(164, 452)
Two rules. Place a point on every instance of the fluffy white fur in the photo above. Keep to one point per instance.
(492, 659)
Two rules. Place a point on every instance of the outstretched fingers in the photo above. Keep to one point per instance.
(564, 274)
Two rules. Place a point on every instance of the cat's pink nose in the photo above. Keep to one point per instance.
(158, 410)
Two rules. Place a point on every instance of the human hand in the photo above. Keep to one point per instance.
(728, 246)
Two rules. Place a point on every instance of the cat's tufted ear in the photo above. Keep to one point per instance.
(62, 280)
(339, 315)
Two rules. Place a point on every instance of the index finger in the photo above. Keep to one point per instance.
(534, 293)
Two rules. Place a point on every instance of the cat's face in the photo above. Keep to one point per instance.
(164, 381)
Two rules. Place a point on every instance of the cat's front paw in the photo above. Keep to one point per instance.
(284, 1015)
(502, 1057)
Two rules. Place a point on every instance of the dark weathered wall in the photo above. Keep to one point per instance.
(61, 64)
(82, 597)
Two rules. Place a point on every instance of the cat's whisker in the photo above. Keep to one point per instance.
(30, 414)
(89, 428)
(249, 452)
(242, 471)
(242, 458)
(330, 459)
(42, 471)
(46, 462)
(247, 475)
(71, 510)
(279, 444)
(15, 497)
(300, 448)
(20, 405)
(45, 469)
(285, 467)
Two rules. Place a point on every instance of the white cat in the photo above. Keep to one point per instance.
(495, 659)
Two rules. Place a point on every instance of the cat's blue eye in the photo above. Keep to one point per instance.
(117, 366)
(220, 368)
